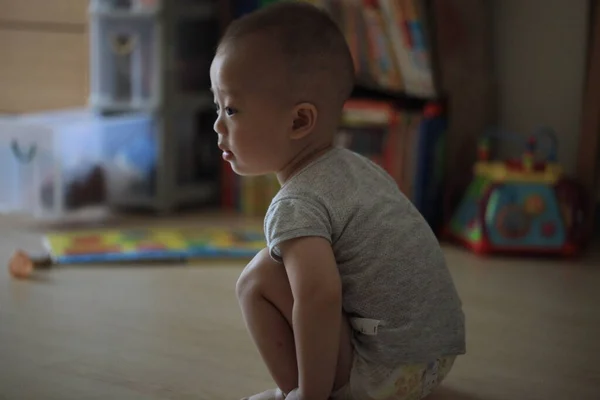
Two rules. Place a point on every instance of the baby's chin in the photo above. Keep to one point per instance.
(245, 171)
(241, 169)
(248, 169)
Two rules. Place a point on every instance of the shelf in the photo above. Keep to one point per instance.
(197, 11)
(139, 201)
(174, 57)
(123, 14)
(196, 192)
(123, 107)
(194, 101)
(362, 90)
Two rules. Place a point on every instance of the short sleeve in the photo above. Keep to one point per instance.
(291, 218)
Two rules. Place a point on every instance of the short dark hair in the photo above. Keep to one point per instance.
(310, 40)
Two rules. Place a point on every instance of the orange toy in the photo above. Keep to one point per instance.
(22, 266)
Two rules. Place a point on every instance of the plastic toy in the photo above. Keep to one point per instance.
(123, 46)
(523, 205)
(22, 266)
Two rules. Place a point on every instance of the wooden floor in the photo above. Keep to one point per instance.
(175, 332)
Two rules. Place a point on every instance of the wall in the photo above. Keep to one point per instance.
(43, 54)
(540, 50)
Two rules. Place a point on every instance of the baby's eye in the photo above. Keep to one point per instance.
(216, 108)
(230, 111)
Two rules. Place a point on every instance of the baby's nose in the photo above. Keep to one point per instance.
(219, 126)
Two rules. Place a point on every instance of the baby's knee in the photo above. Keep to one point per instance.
(255, 275)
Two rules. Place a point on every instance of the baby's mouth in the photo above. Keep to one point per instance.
(227, 155)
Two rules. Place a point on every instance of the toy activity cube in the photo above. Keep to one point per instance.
(522, 205)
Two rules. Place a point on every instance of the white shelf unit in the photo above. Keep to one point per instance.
(154, 56)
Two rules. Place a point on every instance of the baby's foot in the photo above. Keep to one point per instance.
(273, 394)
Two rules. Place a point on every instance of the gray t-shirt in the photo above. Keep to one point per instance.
(397, 290)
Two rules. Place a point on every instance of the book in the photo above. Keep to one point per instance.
(371, 128)
(389, 41)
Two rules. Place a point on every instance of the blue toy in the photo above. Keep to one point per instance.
(521, 205)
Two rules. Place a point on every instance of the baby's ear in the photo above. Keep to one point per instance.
(304, 120)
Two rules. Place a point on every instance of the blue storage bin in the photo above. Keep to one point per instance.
(54, 163)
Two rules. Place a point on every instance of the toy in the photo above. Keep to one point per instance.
(123, 46)
(22, 266)
(520, 205)
(140, 246)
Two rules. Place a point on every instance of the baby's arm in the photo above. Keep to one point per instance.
(317, 312)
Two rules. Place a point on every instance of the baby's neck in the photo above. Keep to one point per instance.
(303, 157)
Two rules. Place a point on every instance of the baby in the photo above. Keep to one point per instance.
(351, 299)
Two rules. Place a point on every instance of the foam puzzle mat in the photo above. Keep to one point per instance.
(154, 244)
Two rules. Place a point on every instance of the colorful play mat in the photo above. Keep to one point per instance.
(154, 244)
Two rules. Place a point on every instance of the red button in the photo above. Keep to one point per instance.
(548, 229)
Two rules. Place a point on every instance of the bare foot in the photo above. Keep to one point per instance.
(273, 394)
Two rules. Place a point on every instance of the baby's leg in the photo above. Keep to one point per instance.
(266, 301)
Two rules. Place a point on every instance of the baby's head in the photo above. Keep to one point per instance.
(280, 78)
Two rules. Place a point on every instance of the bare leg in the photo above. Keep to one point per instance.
(266, 301)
